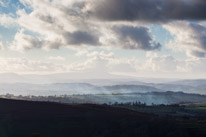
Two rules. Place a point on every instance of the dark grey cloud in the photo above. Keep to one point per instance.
(136, 38)
(81, 38)
(149, 10)
(75, 9)
(198, 54)
(46, 18)
(200, 35)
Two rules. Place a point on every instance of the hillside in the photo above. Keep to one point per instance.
(43, 119)
(148, 98)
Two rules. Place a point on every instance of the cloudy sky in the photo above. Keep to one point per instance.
(143, 38)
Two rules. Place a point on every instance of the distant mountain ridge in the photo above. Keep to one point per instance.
(149, 98)
(71, 88)
(76, 83)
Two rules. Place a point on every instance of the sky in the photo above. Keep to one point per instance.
(142, 38)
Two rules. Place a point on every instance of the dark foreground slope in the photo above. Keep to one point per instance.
(43, 119)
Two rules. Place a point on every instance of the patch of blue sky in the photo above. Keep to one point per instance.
(11, 6)
(163, 36)
(160, 34)
(31, 33)
(7, 34)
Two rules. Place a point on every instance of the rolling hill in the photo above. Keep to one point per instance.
(44, 119)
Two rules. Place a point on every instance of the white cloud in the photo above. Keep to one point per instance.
(196, 66)
(51, 22)
(1, 45)
(66, 23)
(104, 62)
(164, 63)
(167, 64)
(7, 21)
(23, 65)
(94, 54)
(101, 62)
(24, 42)
(96, 61)
(56, 58)
(188, 37)
(154, 65)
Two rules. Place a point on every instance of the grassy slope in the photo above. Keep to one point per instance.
(24, 119)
